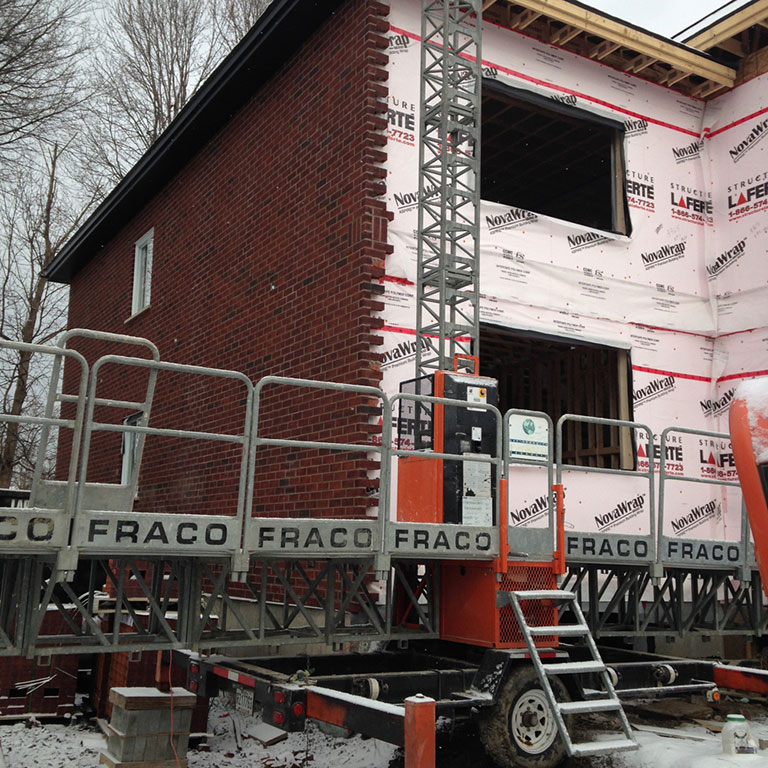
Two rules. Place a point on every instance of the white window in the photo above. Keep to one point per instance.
(142, 272)
(130, 444)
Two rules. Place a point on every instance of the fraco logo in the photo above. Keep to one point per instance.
(725, 259)
(624, 510)
(752, 139)
(665, 254)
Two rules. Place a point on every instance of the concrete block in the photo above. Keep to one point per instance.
(151, 698)
(112, 762)
(131, 722)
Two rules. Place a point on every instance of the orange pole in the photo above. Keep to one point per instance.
(419, 733)
(749, 433)
(559, 553)
(161, 677)
(502, 563)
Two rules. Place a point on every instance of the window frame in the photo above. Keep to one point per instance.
(129, 448)
(620, 219)
(143, 254)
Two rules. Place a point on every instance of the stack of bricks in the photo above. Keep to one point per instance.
(149, 728)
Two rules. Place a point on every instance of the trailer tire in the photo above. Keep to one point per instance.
(519, 731)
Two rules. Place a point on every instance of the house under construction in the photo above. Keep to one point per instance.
(610, 265)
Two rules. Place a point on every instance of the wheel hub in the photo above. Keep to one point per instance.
(531, 724)
(530, 719)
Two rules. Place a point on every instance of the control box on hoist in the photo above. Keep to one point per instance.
(444, 490)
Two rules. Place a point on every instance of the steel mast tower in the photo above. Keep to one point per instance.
(447, 284)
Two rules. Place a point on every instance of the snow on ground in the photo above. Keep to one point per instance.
(78, 746)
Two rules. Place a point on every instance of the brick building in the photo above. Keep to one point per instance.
(261, 210)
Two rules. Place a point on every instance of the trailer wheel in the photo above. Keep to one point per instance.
(520, 730)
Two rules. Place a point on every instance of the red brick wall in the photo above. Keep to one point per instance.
(266, 244)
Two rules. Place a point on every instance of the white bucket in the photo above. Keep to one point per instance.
(739, 749)
(737, 737)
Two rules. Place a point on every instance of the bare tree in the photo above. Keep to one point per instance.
(40, 48)
(37, 217)
(155, 55)
(233, 19)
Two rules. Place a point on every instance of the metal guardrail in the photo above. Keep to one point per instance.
(43, 525)
(98, 518)
(532, 543)
(702, 553)
(605, 546)
(482, 542)
(71, 516)
(367, 536)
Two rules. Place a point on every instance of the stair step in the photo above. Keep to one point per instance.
(601, 747)
(574, 667)
(599, 704)
(564, 630)
(543, 594)
(593, 705)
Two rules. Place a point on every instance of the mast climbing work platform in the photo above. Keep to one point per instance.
(89, 566)
(236, 578)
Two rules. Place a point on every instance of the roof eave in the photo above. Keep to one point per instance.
(274, 38)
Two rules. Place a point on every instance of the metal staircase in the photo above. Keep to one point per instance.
(605, 700)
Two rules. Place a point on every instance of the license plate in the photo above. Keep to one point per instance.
(244, 700)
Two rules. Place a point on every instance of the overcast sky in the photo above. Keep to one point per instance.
(667, 17)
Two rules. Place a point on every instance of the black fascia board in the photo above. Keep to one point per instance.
(714, 23)
(275, 37)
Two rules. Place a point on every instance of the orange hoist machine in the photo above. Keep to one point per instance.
(443, 491)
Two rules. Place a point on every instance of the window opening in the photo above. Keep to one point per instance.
(142, 272)
(558, 375)
(129, 449)
(552, 158)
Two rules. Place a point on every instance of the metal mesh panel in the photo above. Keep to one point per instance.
(538, 613)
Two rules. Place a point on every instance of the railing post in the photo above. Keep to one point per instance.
(419, 733)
